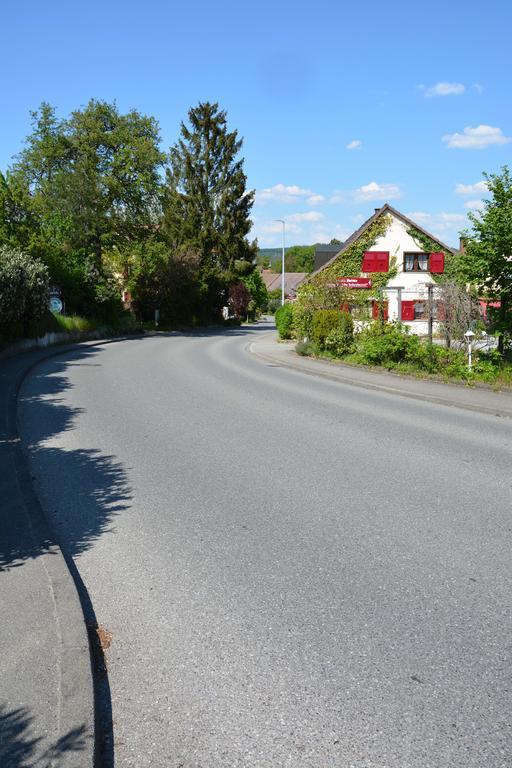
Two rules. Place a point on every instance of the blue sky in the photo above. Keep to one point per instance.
(425, 89)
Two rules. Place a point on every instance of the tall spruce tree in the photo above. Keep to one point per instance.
(207, 203)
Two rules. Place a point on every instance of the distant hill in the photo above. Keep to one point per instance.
(274, 254)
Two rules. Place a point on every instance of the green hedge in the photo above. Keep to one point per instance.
(324, 321)
(284, 321)
(340, 340)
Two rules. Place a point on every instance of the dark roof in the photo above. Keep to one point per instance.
(386, 208)
(327, 248)
(292, 280)
(323, 253)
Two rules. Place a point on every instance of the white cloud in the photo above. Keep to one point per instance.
(478, 88)
(443, 89)
(419, 216)
(374, 191)
(480, 137)
(282, 193)
(447, 220)
(474, 205)
(274, 228)
(338, 197)
(479, 188)
(307, 216)
(315, 200)
(355, 144)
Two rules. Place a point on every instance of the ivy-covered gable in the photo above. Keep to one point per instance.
(348, 263)
(428, 244)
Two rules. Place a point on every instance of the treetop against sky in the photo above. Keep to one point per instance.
(341, 106)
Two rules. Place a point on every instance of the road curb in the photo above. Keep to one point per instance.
(77, 716)
(338, 376)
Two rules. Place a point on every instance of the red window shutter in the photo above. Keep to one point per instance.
(375, 309)
(437, 262)
(407, 310)
(375, 261)
(382, 261)
(368, 262)
(441, 311)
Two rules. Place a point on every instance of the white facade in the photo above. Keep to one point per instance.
(413, 284)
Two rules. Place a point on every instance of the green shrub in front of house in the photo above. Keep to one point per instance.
(340, 340)
(390, 345)
(382, 343)
(324, 321)
(284, 321)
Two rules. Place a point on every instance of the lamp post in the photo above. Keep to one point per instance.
(281, 221)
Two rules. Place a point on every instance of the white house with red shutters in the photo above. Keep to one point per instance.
(402, 251)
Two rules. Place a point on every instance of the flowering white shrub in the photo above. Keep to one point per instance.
(24, 289)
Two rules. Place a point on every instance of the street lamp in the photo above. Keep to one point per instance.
(281, 221)
(469, 336)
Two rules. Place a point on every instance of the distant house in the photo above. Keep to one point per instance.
(411, 258)
(292, 280)
(324, 253)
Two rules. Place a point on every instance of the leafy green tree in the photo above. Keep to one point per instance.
(168, 281)
(91, 184)
(207, 205)
(486, 261)
(258, 290)
(297, 258)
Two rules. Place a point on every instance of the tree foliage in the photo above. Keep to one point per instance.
(83, 187)
(207, 203)
(486, 261)
(239, 299)
(24, 291)
(297, 258)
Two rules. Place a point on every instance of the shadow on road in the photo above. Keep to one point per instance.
(97, 482)
(96, 490)
(19, 747)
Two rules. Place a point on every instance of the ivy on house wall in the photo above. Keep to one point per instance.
(321, 291)
(349, 262)
(429, 245)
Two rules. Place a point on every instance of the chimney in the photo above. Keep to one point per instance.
(462, 246)
(377, 210)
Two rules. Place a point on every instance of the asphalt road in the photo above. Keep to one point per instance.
(295, 572)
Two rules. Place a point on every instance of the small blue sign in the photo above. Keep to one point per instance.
(56, 305)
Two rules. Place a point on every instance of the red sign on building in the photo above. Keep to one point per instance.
(355, 282)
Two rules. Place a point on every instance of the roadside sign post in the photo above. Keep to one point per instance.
(430, 289)
(56, 304)
(469, 336)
